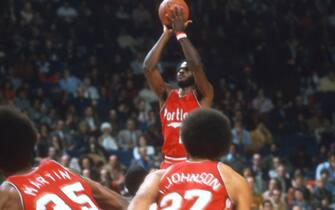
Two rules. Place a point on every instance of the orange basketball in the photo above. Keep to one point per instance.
(166, 8)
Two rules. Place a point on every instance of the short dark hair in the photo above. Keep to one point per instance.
(206, 134)
(134, 178)
(17, 140)
(182, 64)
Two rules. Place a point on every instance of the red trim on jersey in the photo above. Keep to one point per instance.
(163, 105)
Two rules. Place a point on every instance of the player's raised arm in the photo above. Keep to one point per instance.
(148, 192)
(151, 72)
(106, 199)
(193, 59)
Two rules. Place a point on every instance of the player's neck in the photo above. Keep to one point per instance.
(197, 159)
(183, 91)
(16, 173)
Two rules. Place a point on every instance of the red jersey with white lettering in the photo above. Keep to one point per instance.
(53, 187)
(193, 185)
(173, 112)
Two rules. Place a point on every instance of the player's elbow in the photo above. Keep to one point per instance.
(147, 68)
(208, 93)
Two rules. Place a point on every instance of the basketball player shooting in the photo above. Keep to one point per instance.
(48, 186)
(201, 182)
(194, 88)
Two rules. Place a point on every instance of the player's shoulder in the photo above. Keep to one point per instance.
(158, 173)
(228, 174)
(9, 197)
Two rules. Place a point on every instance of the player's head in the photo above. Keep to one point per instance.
(206, 134)
(17, 140)
(134, 178)
(184, 75)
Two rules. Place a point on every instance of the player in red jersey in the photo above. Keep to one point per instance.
(201, 182)
(49, 186)
(194, 88)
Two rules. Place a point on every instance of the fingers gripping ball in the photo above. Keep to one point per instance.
(166, 8)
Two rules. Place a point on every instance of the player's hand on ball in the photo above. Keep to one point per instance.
(177, 20)
(167, 30)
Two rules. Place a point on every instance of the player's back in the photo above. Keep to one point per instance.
(51, 186)
(193, 185)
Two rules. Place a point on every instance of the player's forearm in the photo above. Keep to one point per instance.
(154, 54)
(112, 200)
(191, 54)
(139, 203)
(106, 198)
(195, 65)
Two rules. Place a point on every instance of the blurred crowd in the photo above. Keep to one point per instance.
(74, 67)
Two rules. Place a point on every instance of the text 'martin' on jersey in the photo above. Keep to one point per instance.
(51, 186)
(173, 112)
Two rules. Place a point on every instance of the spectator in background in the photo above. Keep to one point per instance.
(95, 152)
(299, 200)
(66, 12)
(261, 103)
(88, 168)
(320, 193)
(114, 167)
(142, 142)
(136, 64)
(125, 40)
(327, 84)
(143, 115)
(90, 91)
(273, 184)
(60, 131)
(258, 183)
(257, 199)
(283, 177)
(298, 182)
(71, 163)
(257, 166)
(240, 136)
(106, 178)
(78, 141)
(267, 205)
(56, 143)
(328, 166)
(234, 158)
(21, 101)
(144, 159)
(7, 91)
(147, 94)
(141, 16)
(27, 14)
(69, 83)
(260, 137)
(52, 153)
(128, 137)
(90, 119)
(278, 200)
(106, 140)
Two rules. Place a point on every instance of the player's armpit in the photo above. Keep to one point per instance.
(148, 192)
(106, 199)
(157, 84)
